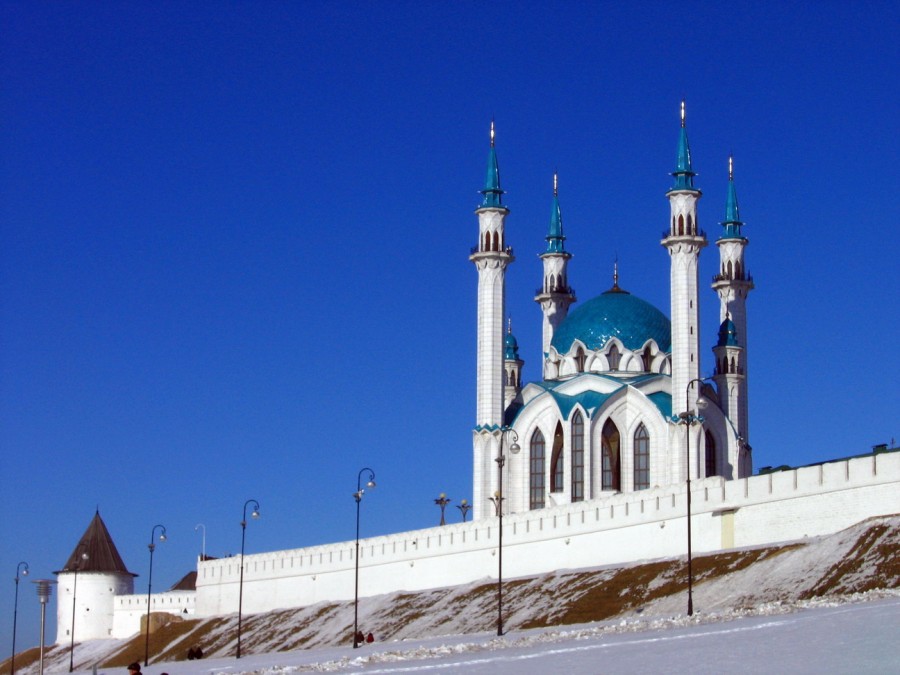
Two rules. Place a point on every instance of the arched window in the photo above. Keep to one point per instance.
(496, 241)
(728, 270)
(579, 360)
(536, 484)
(557, 470)
(647, 358)
(711, 455)
(612, 477)
(680, 224)
(613, 356)
(641, 458)
(577, 457)
(690, 224)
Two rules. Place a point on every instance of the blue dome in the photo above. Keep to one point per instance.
(615, 313)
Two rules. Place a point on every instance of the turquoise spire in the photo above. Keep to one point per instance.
(492, 192)
(511, 352)
(555, 237)
(684, 174)
(727, 333)
(732, 223)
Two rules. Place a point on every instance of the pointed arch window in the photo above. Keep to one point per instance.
(496, 241)
(680, 225)
(577, 457)
(711, 469)
(641, 458)
(536, 461)
(557, 467)
(614, 356)
(690, 224)
(647, 358)
(611, 478)
(579, 360)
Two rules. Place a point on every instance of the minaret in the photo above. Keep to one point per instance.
(512, 368)
(684, 242)
(730, 378)
(732, 284)
(491, 257)
(555, 294)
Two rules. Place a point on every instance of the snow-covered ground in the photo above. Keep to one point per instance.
(856, 634)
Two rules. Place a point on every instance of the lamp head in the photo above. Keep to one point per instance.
(702, 403)
(163, 537)
(255, 514)
(371, 483)
(514, 448)
(25, 572)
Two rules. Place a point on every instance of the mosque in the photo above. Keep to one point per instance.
(596, 463)
(620, 380)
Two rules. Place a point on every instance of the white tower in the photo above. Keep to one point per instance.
(733, 284)
(684, 241)
(491, 257)
(555, 295)
(93, 576)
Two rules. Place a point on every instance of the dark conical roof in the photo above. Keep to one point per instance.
(101, 551)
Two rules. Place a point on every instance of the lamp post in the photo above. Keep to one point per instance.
(254, 514)
(687, 418)
(44, 589)
(358, 497)
(83, 557)
(497, 499)
(152, 547)
(23, 568)
(442, 501)
(464, 506)
(202, 541)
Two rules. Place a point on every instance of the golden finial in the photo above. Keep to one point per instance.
(492, 132)
(555, 184)
(730, 167)
(682, 112)
(509, 325)
(616, 272)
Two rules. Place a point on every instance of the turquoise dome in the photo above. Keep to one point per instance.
(615, 313)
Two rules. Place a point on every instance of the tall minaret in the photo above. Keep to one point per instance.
(732, 284)
(684, 242)
(555, 295)
(491, 257)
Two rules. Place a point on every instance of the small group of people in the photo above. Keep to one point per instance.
(360, 638)
(195, 653)
(135, 669)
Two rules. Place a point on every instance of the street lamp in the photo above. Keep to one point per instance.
(23, 568)
(358, 497)
(254, 514)
(203, 540)
(152, 547)
(687, 418)
(497, 499)
(464, 506)
(44, 589)
(442, 501)
(83, 557)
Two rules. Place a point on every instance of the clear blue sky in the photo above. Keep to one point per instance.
(234, 242)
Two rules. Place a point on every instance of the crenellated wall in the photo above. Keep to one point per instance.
(621, 528)
(130, 609)
(617, 529)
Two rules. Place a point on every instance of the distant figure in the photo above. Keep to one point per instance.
(134, 669)
(370, 638)
(195, 653)
(360, 638)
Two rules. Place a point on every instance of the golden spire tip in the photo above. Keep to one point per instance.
(555, 184)
(492, 132)
(730, 167)
(682, 112)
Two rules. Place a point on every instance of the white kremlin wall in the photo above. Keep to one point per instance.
(129, 610)
(628, 527)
